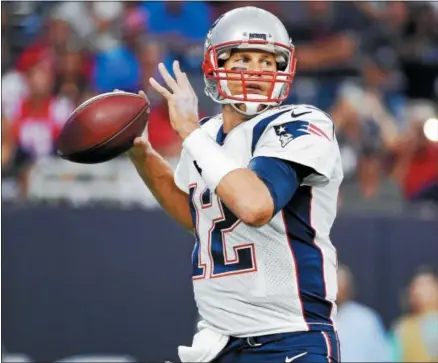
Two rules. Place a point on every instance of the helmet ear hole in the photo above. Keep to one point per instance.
(281, 66)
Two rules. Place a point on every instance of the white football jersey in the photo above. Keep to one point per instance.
(252, 281)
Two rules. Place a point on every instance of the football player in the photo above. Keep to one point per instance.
(258, 187)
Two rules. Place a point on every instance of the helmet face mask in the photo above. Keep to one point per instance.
(271, 37)
(213, 71)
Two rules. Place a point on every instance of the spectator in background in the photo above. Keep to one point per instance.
(419, 52)
(416, 157)
(14, 89)
(416, 333)
(221, 7)
(119, 67)
(56, 47)
(182, 26)
(53, 41)
(5, 36)
(326, 44)
(361, 333)
(369, 114)
(151, 52)
(96, 47)
(161, 134)
(107, 21)
(97, 23)
(72, 76)
(37, 120)
(116, 69)
(179, 21)
(6, 144)
(395, 16)
(133, 25)
(47, 47)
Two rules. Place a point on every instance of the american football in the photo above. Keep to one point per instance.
(103, 127)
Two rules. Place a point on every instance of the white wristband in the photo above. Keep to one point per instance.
(209, 157)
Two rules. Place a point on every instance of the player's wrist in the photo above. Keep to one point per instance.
(210, 157)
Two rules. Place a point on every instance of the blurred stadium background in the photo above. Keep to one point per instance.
(93, 269)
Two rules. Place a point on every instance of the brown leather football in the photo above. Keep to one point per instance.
(103, 127)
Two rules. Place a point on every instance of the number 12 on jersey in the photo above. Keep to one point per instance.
(215, 235)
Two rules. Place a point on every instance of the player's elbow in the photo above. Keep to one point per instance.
(256, 216)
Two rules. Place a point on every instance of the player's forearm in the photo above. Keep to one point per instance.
(158, 176)
(246, 196)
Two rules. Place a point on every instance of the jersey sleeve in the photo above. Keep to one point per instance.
(305, 137)
(181, 175)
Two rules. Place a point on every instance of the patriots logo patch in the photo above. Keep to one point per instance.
(292, 130)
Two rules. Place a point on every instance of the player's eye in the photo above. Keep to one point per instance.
(267, 62)
(242, 60)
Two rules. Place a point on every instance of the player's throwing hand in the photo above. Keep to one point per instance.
(141, 144)
(182, 99)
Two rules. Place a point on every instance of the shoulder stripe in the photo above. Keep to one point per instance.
(204, 120)
(261, 127)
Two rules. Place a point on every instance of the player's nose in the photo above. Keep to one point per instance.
(255, 65)
(256, 68)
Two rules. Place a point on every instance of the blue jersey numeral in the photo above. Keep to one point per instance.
(243, 259)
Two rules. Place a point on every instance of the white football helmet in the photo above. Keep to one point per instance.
(248, 28)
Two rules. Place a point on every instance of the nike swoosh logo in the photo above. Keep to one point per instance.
(293, 114)
(291, 359)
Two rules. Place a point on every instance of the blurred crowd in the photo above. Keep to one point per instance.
(413, 337)
(372, 65)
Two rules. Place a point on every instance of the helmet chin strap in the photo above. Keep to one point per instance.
(251, 108)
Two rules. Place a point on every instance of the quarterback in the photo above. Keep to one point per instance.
(258, 187)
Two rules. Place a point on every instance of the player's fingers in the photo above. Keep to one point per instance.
(139, 141)
(160, 89)
(138, 150)
(189, 85)
(168, 78)
(182, 81)
(182, 77)
(141, 144)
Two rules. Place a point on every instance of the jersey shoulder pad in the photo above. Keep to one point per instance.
(292, 121)
(307, 112)
(203, 121)
(211, 125)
